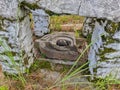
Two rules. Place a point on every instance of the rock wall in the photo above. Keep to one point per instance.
(16, 42)
(108, 9)
(104, 55)
(16, 33)
(16, 49)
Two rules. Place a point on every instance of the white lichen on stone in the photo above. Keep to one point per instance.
(104, 56)
(41, 22)
(16, 46)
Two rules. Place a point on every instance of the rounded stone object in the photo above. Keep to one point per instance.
(59, 45)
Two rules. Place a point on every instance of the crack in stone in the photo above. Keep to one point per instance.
(79, 7)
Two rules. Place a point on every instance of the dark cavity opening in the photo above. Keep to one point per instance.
(63, 42)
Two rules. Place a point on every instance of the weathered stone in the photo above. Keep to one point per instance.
(100, 8)
(41, 22)
(16, 47)
(9, 9)
(61, 6)
(90, 8)
(88, 26)
(105, 50)
(59, 46)
(108, 9)
(58, 6)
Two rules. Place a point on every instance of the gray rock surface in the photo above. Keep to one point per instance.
(105, 50)
(108, 9)
(9, 9)
(59, 45)
(61, 6)
(16, 47)
(90, 8)
(41, 22)
(88, 26)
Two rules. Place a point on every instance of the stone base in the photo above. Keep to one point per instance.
(58, 54)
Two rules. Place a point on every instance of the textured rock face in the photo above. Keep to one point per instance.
(16, 47)
(41, 22)
(61, 6)
(91, 8)
(59, 45)
(101, 9)
(105, 50)
(9, 9)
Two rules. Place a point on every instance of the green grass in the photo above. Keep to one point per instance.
(72, 73)
(56, 21)
(64, 19)
(4, 88)
(105, 83)
(8, 53)
(12, 63)
(39, 65)
(97, 84)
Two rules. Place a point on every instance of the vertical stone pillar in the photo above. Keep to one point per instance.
(104, 54)
(16, 44)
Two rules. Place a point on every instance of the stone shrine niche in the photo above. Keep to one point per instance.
(104, 52)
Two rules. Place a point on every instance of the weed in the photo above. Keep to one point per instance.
(8, 53)
(72, 73)
(77, 33)
(57, 21)
(4, 88)
(10, 61)
(105, 83)
(39, 65)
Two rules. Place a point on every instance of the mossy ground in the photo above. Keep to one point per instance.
(66, 22)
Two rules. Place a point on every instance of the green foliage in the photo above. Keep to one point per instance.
(104, 83)
(40, 64)
(31, 6)
(4, 88)
(51, 13)
(8, 53)
(77, 33)
(64, 19)
(73, 73)
(42, 55)
(57, 20)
